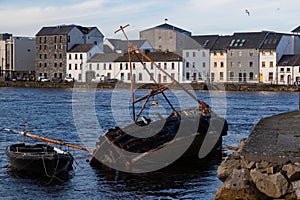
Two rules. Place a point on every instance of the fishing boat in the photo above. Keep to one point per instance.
(39, 159)
(147, 145)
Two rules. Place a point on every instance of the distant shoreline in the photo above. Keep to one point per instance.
(195, 86)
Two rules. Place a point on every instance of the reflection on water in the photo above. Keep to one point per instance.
(49, 113)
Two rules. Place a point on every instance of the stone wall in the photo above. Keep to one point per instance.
(244, 179)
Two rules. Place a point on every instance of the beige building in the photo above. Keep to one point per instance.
(166, 37)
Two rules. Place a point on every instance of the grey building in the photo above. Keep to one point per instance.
(53, 43)
(17, 56)
(244, 56)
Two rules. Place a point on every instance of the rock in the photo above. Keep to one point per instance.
(262, 165)
(274, 186)
(292, 171)
(227, 167)
(296, 185)
(246, 164)
(239, 186)
(242, 143)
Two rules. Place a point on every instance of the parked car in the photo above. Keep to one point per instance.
(45, 80)
(69, 79)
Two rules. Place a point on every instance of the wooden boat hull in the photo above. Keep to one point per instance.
(111, 147)
(39, 159)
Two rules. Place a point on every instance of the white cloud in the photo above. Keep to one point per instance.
(198, 16)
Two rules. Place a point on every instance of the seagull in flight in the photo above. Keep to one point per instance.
(248, 12)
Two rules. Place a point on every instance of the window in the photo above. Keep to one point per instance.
(203, 64)
(98, 66)
(55, 55)
(55, 64)
(281, 78)
(151, 66)
(164, 78)
(45, 56)
(221, 76)
(45, 64)
(187, 54)
(79, 77)
(222, 64)
(200, 76)
(122, 76)
(165, 65)
(232, 53)
(80, 56)
(173, 66)
(60, 55)
(121, 67)
(263, 53)
(41, 56)
(215, 53)
(128, 76)
(193, 64)
(270, 76)
(250, 53)
(221, 53)
(172, 75)
(281, 69)
(109, 67)
(231, 76)
(212, 77)
(187, 76)
(251, 76)
(271, 64)
(250, 64)
(55, 39)
(194, 54)
(75, 66)
(239, 64)
(90, 67)
(215, 64)
(187, 64)
(232, 64)
(271, 52)
(263, 64)
(60, 38)
(140, 76)
(239, 53)
(126, 66)
(70, 56)
(288, 69)
(151, 76)
(203, 54)
(76, 56)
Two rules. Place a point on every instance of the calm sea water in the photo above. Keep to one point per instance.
(80, 116)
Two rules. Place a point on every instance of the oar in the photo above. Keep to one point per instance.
(48, 140)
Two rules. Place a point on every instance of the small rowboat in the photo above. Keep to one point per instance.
(39, 159)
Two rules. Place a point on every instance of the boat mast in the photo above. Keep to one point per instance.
(132, 49)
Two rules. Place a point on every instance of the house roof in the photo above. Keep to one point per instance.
(81, 48)
(123, 44)
(247, 40)
(206, 41)
(155, 56)
(221, 43)
(272, 40)
(62, 30)
(170, 27)
(289, 60)
(105, 57)
(296, 30)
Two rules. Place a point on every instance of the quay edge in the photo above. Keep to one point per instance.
(267, 163)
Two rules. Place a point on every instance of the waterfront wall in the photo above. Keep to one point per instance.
(195, 86)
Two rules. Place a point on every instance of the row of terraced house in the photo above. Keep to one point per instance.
(83, 55)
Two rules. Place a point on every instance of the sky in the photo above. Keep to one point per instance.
(201, 17)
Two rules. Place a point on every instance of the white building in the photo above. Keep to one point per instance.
(103, 66)
(116, 66)
(195, 65)
(77, 58)
(273, 48)
(289, 70)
